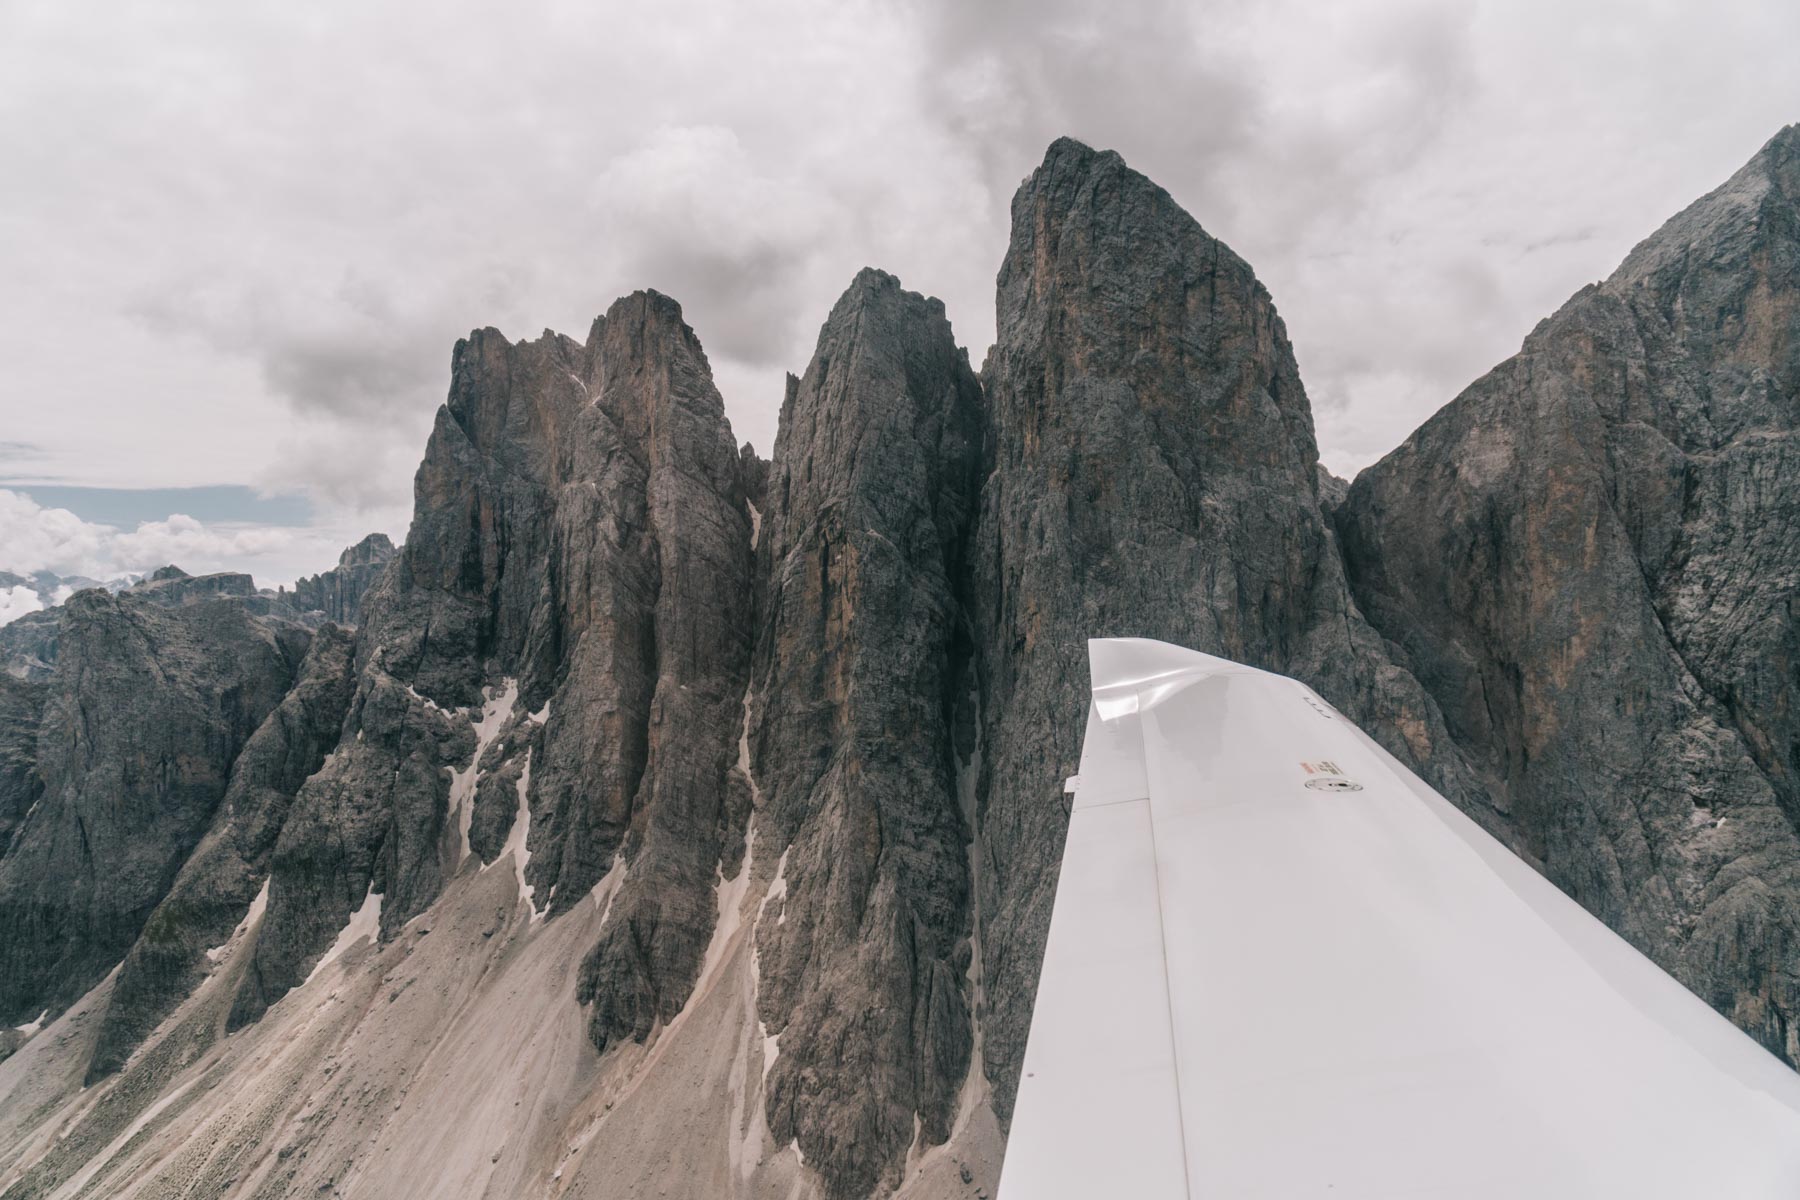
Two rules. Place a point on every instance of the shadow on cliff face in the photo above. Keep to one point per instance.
(750, 773)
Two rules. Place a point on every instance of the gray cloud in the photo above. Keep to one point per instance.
(241, 242)
(352, 353)
(1012, 76)
(693, 217)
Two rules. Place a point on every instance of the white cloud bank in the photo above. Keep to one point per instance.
(34, 538)
(240, 240)
(16, 601)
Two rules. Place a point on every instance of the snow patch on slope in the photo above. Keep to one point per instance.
(771, 1043)
(495, 713)
(516, 844)
(251, 917)
(603, 892)
(365, 922)
(427, 701)
(777, 891)
(730, 900)
(517, 841)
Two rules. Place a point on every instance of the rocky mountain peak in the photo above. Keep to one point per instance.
(1069, 160)
(337, 594)
(862, 661)
(1722, 234)
(655, 379)
(579, 556)
(1095, 241)
(137, 731)
(1587, 559)
(690, 821)
(1779, 157)
(1151, 471)
(374, 549)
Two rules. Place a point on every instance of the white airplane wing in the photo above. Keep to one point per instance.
(1281, 966)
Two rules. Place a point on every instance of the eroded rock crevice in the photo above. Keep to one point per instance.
(672, 717)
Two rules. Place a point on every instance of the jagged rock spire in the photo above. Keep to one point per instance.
(862, 664)
(1589, 557)
(1151, 472)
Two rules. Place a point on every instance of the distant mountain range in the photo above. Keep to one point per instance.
(28, 642)
(664, 820)
(50, 588)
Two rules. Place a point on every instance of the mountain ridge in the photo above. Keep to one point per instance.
(709, 807)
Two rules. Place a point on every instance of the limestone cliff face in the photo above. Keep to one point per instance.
(553, 668)
(758, 764)
(861, 673)
(173, 586)
(1151, 472)
(1591, 559)
(337, 594)
(28, 645)
(221, 879)
(672, 806)
(21, 711)
(151, 737)
(136, 733)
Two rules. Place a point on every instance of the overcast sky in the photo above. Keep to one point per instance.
(239, 239)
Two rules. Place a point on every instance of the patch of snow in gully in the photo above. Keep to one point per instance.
(250, 918)
(494, 714)
(516, 839)
(730, 896)
(365, 922)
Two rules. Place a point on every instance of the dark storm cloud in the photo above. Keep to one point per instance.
(349, 375)
(1014, 75)
(1186, 93)
(753, 291)
(1277, 128)
(355, 355)
(690, 214)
